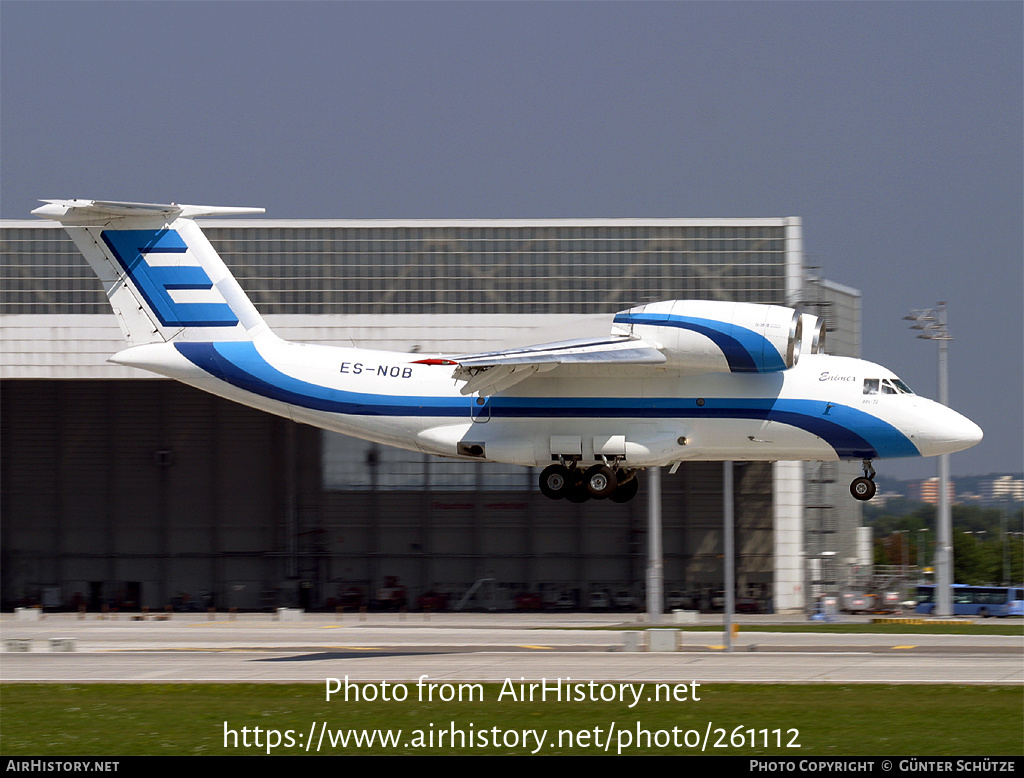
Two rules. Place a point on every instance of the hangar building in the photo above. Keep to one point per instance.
(123, 489)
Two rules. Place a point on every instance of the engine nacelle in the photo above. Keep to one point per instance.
(722, 337)
(814, 334)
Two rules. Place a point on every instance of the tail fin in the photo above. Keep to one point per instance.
(164, 280)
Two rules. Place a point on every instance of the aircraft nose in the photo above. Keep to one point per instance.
(946, 431)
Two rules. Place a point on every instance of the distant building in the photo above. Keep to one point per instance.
(928, 491)
(1005, 487)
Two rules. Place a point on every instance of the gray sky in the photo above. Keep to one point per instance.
(893, 129)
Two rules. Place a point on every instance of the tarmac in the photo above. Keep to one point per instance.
(481, 647)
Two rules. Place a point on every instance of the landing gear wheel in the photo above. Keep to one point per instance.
(600, 481)
(577, 494)
(862, 488)
(626, 491)
(555, 482)
(576, 491)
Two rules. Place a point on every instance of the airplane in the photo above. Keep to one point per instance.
(673, 381)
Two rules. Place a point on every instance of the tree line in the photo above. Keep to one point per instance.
(988, 542)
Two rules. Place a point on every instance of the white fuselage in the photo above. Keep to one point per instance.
(639, 415)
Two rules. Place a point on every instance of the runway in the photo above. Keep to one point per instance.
(255, 648)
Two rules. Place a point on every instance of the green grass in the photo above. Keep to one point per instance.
(829, 720)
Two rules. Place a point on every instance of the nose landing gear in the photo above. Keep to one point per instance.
(863, 488)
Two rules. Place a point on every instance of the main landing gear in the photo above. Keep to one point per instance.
(599, 482)
(863, 488)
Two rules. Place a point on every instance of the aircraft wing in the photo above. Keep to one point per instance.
(493, 371)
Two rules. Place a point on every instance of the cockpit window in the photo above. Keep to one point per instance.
(885, 386)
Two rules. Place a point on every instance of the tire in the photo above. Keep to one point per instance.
(577, 494)
(626, 491)
(600, 481)
(555, 482)
(862, 489)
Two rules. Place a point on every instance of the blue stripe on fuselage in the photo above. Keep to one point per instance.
(240, 364)
(745, 350)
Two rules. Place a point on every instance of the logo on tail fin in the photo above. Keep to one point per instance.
(132, 248)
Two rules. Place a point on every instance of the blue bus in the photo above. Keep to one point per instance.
(983, 601)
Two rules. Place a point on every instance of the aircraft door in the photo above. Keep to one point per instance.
(480, 410)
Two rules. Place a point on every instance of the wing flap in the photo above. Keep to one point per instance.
(614, 350)
(488, 381)
(491, 372)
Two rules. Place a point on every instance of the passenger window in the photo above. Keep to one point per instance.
(870, 386)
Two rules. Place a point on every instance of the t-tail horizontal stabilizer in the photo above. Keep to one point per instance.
(102, 211)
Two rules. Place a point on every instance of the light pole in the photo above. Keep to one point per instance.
(904, 551)
(655, 557)
(1004, 530)
(922, 558)
(932, 324)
